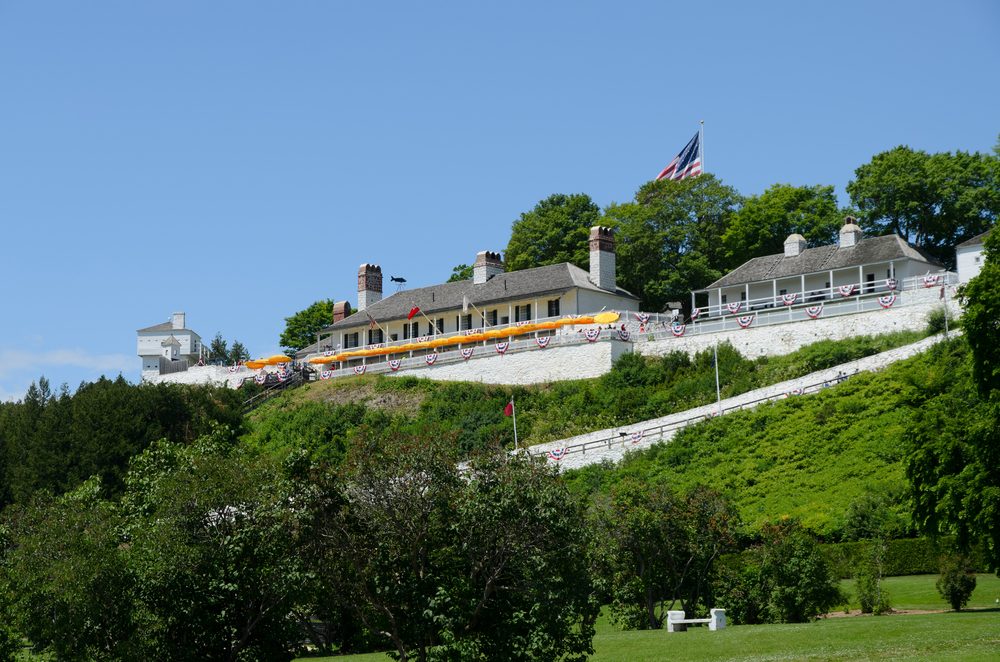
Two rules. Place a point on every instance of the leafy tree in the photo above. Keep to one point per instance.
(957, 581)
(460, 272)
(556, 230)
(669, 240)
(238, 352)
(302, 327)
(218, 349)
(933, 200)
(980, 299)
(660, 548)
(762, 224)
(785, 579)
(872, 594)
(453, 567)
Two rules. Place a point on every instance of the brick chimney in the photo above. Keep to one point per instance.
(850, 234)
(369, 285)
(602, 257)
(794, 245)
(487, 265)
(341, 309)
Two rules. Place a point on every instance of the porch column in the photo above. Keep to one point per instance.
(861, 277)
(746, 288)
(803, 293)
(720, 302)
(774, 292)
(831, 283)
(692, 304)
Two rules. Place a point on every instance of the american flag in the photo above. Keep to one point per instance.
(685, 164)
(371, 321)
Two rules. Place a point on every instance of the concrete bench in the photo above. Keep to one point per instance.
(677, 623)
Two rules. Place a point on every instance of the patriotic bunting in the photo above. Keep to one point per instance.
(745, 320)
(557, 454)
(469, 332)
(522, 323)
(847, 290)
(636, 437)
(283, 374)
(234, 368)
(260, 377)
(641, 318)
(678, 329)
(930, 280)
(734, 307)
(891, 283)
(887, 301)
(789, 299)
(502, 347)
(794, 391)
(814, 311)
(695, 313)
(431, 359)
(239, 384)
(328, 352)
(592, 334)
(543, 341)
(326, 374)
(394, 364)
(359, 369)
(467, 353)
(623, 334)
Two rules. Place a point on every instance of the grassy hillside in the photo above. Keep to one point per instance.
(816, 457)
(325, 416)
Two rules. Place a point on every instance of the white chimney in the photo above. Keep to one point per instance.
(177, 321)
(369, 285)
(850, 234)
(794, 245)
(602, 257)
(487, 265)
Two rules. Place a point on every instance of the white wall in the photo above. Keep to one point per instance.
(970, 261)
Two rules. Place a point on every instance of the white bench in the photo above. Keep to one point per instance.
(677, 623)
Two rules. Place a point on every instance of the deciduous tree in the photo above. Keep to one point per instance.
(302, 327)
(556, 230)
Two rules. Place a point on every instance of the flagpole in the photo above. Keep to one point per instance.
(701, 145)
(513, 411)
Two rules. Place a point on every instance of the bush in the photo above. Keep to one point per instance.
(872, 596)
(905, 556)
(936, 321)
(957, 581)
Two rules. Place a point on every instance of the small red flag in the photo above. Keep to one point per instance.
(413, 311)
(509, 409)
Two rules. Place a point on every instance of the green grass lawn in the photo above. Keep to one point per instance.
(970, 635)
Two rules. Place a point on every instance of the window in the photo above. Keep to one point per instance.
(504, 320)
(465, 322)
(782, 292)
(491, 318)
(553, 308)
(743, 295)
(869, 282)
(440, 325)
(522, 313)
(415, 329)
(375, 336)
(406, 331)
(977, 259)
(724, 297)
(350, 340)
(393, 337)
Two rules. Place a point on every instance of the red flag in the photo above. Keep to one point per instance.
(509, 409)
(413, 311)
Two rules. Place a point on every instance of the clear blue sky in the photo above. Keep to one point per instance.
(238, 160)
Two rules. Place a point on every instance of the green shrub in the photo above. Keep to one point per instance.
(957, 581)
(871, 594)
(936, 321)
(905, 556)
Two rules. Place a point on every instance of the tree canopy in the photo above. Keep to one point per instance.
(302, 327)
(556, 230)
(460, 272)
(932, 200)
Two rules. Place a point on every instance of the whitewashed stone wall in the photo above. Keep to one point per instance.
(534, 366)
(204, 375)
(778, 339)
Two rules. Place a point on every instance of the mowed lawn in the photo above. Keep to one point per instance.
(969, 635)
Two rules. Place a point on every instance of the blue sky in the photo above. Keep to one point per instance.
(238, 161)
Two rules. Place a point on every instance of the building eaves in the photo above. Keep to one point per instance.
(979, 239)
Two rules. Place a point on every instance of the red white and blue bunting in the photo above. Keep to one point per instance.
(592, 334)
(326, 374)
(502, 347)
(284, 374)
(328, 352)
(623, 334)
(793, 392)
(847, 290)
(694, 314)
(394, 364)
(891, 283)
(360, 369)
(557, 454)
(887, 301)
(745, 320)
(260, 377)
(734, 307)
(239, 384)
(636, 437)
(543, 341)
(641, 318)
(814, 311)
(467, 353)
(469, 332)
(930, 280)
(431, 359)
(678, 329)
(234, 368)
(789, 299)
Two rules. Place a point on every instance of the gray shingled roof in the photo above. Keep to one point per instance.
(540, 281)
(165, 326)
(978, 239)
(823, 258)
